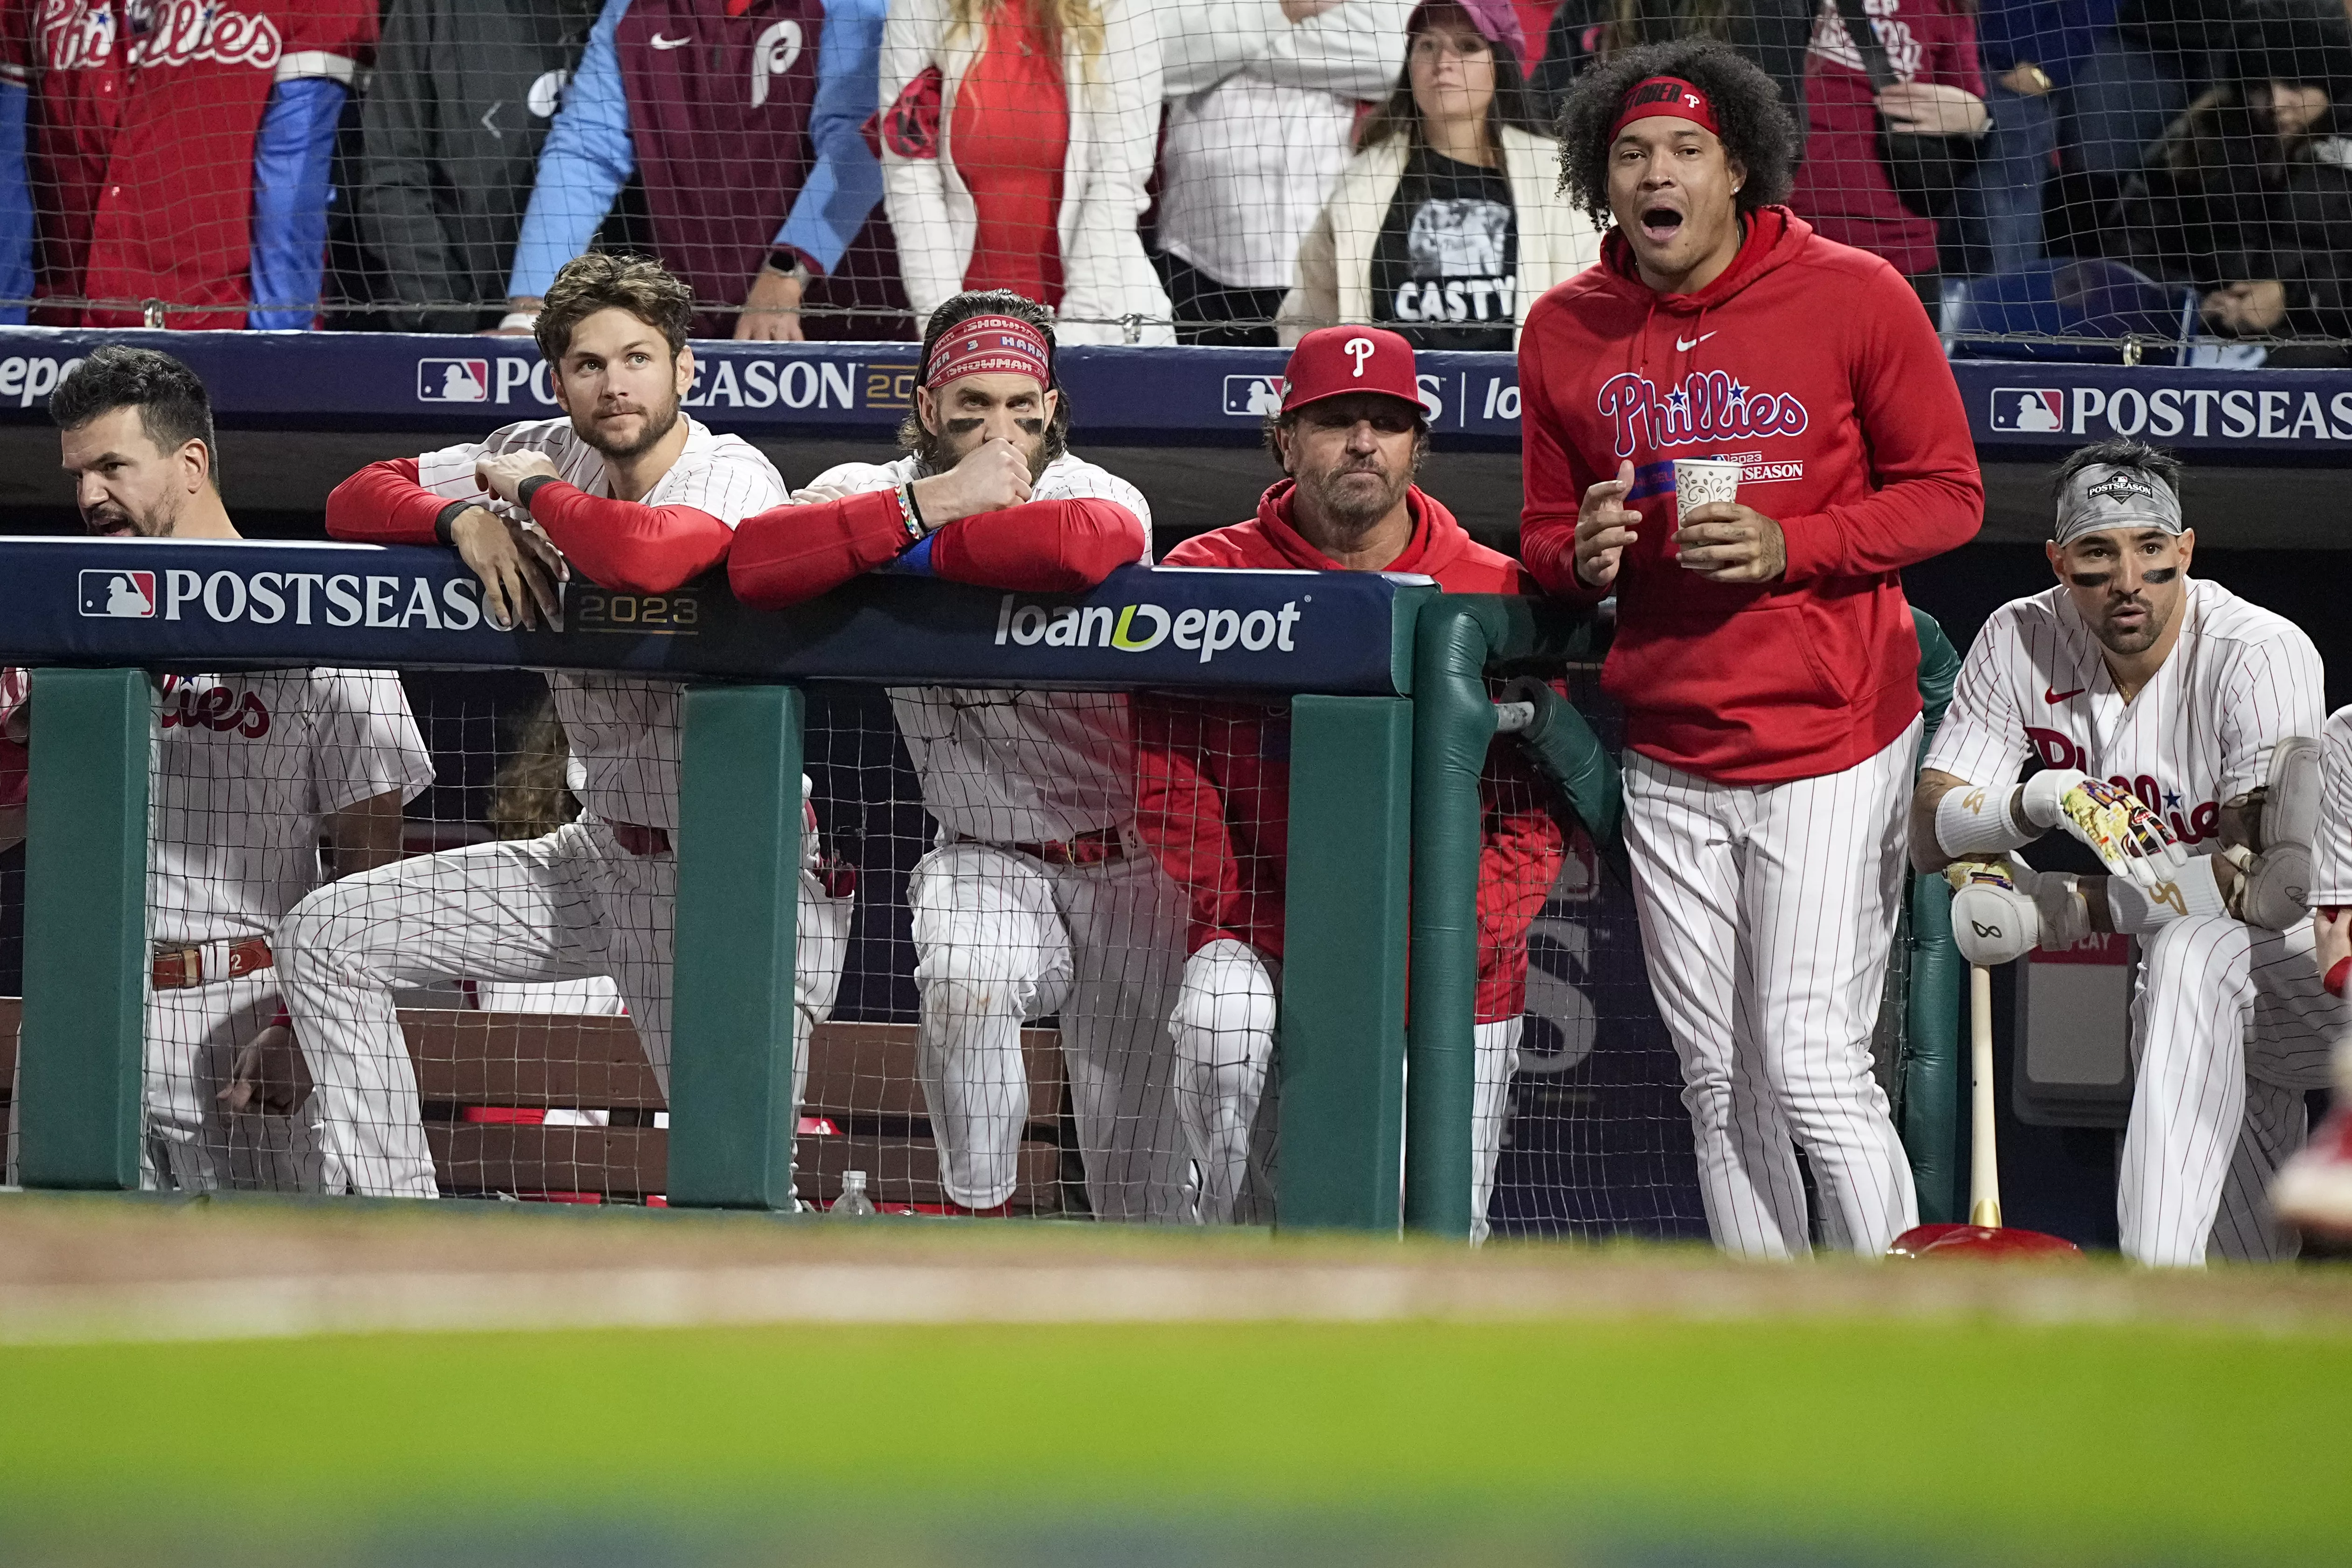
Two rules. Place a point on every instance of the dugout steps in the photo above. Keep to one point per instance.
(862, 1080)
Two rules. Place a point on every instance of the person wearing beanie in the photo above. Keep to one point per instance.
(1444, 228)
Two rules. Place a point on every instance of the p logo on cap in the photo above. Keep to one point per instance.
(1336, 360)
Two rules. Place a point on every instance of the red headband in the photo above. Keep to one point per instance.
(1669, 97)
(988, 345)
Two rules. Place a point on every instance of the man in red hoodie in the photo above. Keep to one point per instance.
(1764, 652)
(1213, 776)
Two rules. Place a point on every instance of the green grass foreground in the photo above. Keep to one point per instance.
(1752, 1441)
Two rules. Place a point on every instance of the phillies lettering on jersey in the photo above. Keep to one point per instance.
(76, 36)
(220, 707)
(2035, 687)
(1709, 405)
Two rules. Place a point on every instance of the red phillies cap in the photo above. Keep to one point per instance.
(1332, 361)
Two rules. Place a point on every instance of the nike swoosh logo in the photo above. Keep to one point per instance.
(1684, 345)
(2052, 694)
(658, 42)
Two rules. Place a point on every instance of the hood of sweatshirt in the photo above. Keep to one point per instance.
(1438, 542)
(1775, 237)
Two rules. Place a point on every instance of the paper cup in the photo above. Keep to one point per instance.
(1699, 480)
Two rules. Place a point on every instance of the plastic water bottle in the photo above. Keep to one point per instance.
(852, 1203)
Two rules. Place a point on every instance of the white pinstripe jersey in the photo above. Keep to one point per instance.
(2331, 856)
(1014, 766)
(242, 771)
(622, 730)
(2035, 683)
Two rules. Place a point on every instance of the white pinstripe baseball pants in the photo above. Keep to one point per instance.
(1768, 912)
(2230, 1026)
(566, 906)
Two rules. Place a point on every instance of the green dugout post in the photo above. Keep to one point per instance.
(81, 1055)
(1458, 636)
(1932, 1079)
(738, 857)
(1343, 968)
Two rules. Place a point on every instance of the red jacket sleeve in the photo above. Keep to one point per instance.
(1930, 496)
(1556, 480)
(383, 504)
(628, 545)
(1180, 814)
(1519, 854)
(1040, 546)
(789, 554)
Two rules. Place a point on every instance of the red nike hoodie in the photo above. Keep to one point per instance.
(1813, 365)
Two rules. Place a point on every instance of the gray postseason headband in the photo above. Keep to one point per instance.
(2105, 496)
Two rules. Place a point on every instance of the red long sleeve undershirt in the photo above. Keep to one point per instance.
(626, 545)
(795, 553)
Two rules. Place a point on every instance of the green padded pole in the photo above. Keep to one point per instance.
(1454, 723)
(81, 1053)
(1932, 1079)
(731, 1116)
(1932, 1073)
(1343, 1055)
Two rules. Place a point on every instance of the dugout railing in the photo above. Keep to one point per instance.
(1340, 647)
(1390, 688)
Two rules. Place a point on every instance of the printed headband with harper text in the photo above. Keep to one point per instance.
(1670, 96)
(990, 345)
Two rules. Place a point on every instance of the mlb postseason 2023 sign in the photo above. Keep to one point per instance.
(222, 606)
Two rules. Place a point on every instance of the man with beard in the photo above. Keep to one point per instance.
(250, 771)
(637, 498)
(1215, 778)
(1037, 899)
(2164, 712)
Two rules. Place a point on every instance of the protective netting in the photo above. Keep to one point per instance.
(2163, 172)
(995, 944)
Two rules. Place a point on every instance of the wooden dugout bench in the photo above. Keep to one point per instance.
(486, 1081)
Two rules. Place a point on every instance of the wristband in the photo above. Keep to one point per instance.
(789, 262)
(518, 321)
(909, 515)
(1974, 819)
(446, 517)
(531, 486)
(2139, 910)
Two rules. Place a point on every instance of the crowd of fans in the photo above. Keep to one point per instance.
(1216, 172)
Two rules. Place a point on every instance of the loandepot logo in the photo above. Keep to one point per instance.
(1140, 627)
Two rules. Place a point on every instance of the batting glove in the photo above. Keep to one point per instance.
(2128, 838)
(1994, 917)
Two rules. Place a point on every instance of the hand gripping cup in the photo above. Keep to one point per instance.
(1698, 480)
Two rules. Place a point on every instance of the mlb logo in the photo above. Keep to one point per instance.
(2033, 410)
(1252, 397)
(119, 595)
(453, 380)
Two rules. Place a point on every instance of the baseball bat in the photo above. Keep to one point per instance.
(1984, 1169)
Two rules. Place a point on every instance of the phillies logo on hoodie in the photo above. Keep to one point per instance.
(1709, 406)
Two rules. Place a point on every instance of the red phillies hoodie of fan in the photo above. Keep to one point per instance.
(1813, 366)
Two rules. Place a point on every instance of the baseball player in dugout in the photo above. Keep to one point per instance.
(1215, 779)
(1037, 899)
(251, 772)
(1764, 652)
(629, 493)
(2173, 727)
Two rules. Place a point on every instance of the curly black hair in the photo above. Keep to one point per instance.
(1759, 133)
